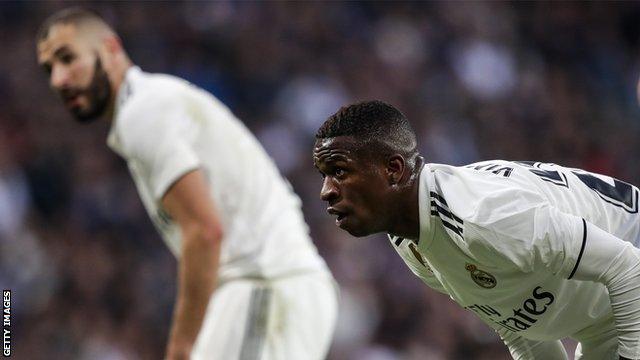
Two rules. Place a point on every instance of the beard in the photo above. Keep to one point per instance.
(98, 94)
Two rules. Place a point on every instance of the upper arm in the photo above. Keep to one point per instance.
(605, 257)
(157, 134)
(189, 203)
(505, 222)
(528, 233)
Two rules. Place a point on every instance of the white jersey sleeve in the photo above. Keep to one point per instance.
(154, 133)
(526, 349)
(509, 224)
(537, 237)
(616, 264)
(526, 232)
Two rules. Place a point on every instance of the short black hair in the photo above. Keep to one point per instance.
(72, 15)
(372, 121)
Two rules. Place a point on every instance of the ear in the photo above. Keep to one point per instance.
(395, 168)
(112, 44)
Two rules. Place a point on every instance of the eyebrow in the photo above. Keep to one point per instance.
(334, 158)
(330, 159)
(60, 50)
(56, 54)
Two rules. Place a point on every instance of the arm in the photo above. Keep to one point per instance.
(188, 202)
(541, 236)
(525, 349)
(157, 132)
(616, 264)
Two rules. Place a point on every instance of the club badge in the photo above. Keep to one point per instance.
(482, 278)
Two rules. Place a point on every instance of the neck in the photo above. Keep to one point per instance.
(406, 222)
(122, 65)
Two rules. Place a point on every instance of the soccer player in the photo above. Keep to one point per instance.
(538, 251)
(251, 284)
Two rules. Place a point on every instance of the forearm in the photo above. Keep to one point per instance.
(624, 292)
(525, 349)
(197, 273)
(616, 264)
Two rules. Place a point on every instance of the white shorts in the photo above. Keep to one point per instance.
(290, 318)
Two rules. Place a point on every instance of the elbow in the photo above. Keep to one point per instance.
(213, 234)
(209, 234)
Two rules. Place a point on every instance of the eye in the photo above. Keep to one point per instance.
(339, 172)
(67, 58)
(47, 68)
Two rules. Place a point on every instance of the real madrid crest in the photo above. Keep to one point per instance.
(482, 278)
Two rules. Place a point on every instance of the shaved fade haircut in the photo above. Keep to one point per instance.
(375, 123)
(72, 16)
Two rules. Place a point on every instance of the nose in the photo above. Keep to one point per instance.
(59, 77)
(329, 190)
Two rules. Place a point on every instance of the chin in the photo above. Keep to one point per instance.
(358, 232)
(86, 116)
(355, 227)
(82, 119)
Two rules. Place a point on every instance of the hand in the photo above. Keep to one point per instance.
(178, 350)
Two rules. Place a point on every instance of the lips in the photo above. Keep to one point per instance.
(340, 214)
(71, 101)
(70, 98)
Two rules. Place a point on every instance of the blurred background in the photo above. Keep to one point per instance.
(91, 279)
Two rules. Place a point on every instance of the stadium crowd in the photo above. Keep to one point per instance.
(480, 80)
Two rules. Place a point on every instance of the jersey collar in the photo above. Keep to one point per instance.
(426, 182)
(126, 88)
(124, 93)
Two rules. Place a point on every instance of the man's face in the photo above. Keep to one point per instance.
(354, 185)
(75, 72)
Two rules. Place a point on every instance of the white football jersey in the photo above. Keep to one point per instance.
(165, 127)
(503, 239)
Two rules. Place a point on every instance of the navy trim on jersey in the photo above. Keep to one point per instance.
(446, 213)
(453, 228)
(442, 209)
(398, 240)
(440, 198)
(584, 241)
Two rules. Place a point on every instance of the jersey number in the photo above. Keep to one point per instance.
(614, 191)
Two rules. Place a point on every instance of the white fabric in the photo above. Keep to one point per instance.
(502, 239)
(525, 349)
(291, 318)
(164, 127)
(598, 342)
(616, 264)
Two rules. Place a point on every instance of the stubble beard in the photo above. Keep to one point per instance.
(98, 94)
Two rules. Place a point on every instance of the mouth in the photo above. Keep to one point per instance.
(340, 215)
(71, 100)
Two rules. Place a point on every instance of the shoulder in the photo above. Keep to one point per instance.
(144, 131)
(485, 212)
(508, 221)
(153, 100)
(482, 193)
(153, 94)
